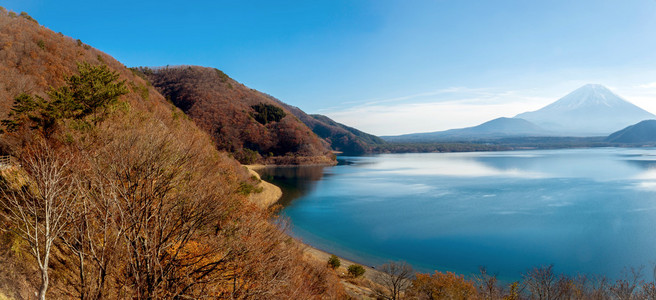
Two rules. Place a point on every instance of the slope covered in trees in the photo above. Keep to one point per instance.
(340, 137)
(130, 199)
(242, 121)
(641, 133)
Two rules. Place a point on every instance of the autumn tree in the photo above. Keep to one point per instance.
(442, 286)
(91, 245)
(38, 208)
(169, 211)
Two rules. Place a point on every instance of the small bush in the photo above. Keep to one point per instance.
(26, 16)
(41, 44)
(255, 179)
(246, 156)
(247, 189)
(141, 90)
(334, 262)
(356, 270)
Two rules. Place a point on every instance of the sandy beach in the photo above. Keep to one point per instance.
(270, 193)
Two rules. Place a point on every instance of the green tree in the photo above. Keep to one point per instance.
(356, 270)
(40, 113)
(89, 93)
(334, 262)
(267, 113)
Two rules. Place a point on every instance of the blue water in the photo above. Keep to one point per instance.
(583, 210)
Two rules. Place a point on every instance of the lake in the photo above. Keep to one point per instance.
(583, 210)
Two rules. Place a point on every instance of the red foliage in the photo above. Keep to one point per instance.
(223, 107)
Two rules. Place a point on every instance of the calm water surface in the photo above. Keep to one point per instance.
(583, 210)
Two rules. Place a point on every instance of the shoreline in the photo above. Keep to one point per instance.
(322, 256)
(270, 193)
(269, 196)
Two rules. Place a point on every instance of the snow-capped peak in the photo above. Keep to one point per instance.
(586, 96)
(590, 109)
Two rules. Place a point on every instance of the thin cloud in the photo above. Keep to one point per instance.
(651, 85)
(470, 108)
(431, 94)
(459, 107)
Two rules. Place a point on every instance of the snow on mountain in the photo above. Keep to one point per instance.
(590, 110)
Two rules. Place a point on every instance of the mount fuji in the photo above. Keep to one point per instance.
(591, 110)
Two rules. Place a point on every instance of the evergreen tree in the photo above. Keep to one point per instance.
(89, 93)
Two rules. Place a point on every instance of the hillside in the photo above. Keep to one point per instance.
(342, 138)
(140, 203)
(640, 133)
(346, 139)
(494, 129)
(588, 111)
(240, 120)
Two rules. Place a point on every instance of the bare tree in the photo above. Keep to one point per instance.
(167, 217)
(38, 208)
(487, 285)
(395, 277)
(542, 283)
(624, 288)
(93, 236)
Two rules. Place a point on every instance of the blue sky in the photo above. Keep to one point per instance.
(387, 67)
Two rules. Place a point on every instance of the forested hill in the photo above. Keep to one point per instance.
(243, 121)
(130, 199)
(342, 138)
(642, 133)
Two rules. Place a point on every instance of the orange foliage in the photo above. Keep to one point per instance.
(161, 215)
(443, 286)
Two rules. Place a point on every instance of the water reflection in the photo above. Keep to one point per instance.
(294, 181)
(450, 164)
(588, 210)
(605, 165)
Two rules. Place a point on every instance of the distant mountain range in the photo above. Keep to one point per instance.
(495, 129)
(592, 110)
(641, 133)
(342, 138)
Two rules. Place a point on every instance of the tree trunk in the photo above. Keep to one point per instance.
(83, 284)
(44, 284)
